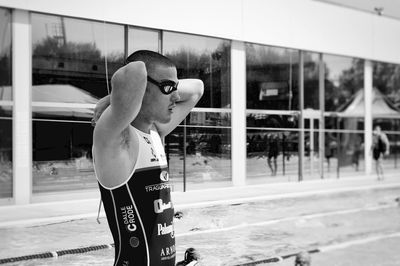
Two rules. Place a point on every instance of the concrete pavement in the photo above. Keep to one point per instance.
(41, 213)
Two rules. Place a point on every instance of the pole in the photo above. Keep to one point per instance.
(184, 155)
(301, 118)
(321, 86)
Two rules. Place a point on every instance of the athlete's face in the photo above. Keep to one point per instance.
(160, 106)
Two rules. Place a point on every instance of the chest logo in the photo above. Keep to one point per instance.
(164, 176)
(160, 206)
(147, 140)
(155, 158)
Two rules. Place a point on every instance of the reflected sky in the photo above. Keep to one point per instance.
(196, 44)
(109, 38)
(336, 65)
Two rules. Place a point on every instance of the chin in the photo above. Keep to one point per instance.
(165, 120)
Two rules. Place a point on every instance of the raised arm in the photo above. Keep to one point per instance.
(387, 143)
(190, 92)
(128, 87)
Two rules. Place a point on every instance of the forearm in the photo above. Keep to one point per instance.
(190, 90)
(128, 87)
(124, 103)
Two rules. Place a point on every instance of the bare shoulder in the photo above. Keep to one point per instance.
(114, 162)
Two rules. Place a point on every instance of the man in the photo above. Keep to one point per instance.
(380, 147)
(147, 102)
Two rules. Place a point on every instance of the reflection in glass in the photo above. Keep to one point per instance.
(272, 78)
(391, 127)
(205, 58)
(386, 79)
(143, 39)
(62, 157)
(61, 93)
(386, 108)
(5, 49)
(261, 120)
(6, 175)
(71, 58)
(272, 147)
(6, 181)
(209, 119)
(75, 52)
(206, 161)
(311, 80)
(208, 157)
(344, 145)
(344, 78)
(272, 156)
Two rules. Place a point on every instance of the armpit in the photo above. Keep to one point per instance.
(125, 138)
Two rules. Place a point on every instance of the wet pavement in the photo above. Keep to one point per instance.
(235, 231)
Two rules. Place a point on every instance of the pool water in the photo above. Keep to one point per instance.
(228, 234)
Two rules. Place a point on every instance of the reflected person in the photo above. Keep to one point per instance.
(380, 148)
(273, 143)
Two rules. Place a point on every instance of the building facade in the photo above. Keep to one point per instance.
(292, 90)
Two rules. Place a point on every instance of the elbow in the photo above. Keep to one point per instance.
(199, 88)
(133, 73)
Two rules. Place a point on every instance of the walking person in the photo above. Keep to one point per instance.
(273, 143)
(380, 148)
(147, 102)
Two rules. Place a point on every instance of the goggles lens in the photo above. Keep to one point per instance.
(165, 86)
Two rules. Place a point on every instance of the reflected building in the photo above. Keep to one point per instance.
(281, 103)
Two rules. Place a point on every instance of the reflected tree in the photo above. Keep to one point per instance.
(271, 69)
(387, 80)
(350, 81)
(5, 70)
(212, 67)
(78, 64)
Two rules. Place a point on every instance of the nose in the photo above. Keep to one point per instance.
(175, 96)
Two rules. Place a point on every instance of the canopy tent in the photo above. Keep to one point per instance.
(381, 105)
(52, 100)
(351, 112)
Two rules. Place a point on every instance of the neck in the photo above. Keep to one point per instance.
(142, 124)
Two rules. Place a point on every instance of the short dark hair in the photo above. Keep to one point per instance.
(150, 58)
(191, 254)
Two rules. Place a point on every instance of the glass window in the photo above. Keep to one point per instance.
(72, 59)
(272, 147)
(344, 93)
(344, 81)
(75, 52)
(6, 176)
(344, 145)
(206, 161)
(311, 80)
(386, 108)
(204, 58)
(272, 135)
(205, 134)
(271, 78)
(386, 83)
(143, 39)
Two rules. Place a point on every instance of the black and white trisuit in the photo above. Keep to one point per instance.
(140, 212)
